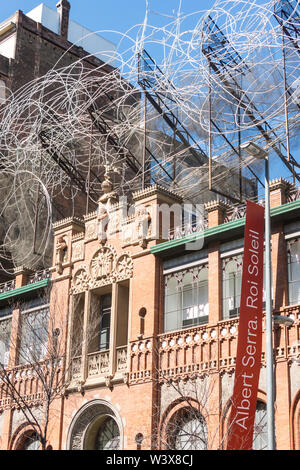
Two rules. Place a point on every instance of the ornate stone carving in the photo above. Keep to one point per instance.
(105, 268)
(91, 230)
(78, 251)
(108, 381)
(81, 281)
(98, 364)
(124, 266)
(82, 422)
(128, 231)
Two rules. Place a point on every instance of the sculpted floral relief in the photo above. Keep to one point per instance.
(105, 268)
(81, 281)
(124, 266)
(102, 263)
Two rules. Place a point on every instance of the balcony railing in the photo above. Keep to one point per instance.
(7, 286)
(294, 194)
(26, 384)
(39, 276)
(98, 364)
(121, 365)
(186, 229)
(76, 368)
(233, 213)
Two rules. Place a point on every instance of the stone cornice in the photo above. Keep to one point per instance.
(154, 190)
(217, 204)
(280, 183)
(68, 222)
(90, 216)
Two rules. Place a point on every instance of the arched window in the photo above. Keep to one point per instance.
(260, 427)
(96, 426)
(31, 442)
(188, 431)
(108, 436)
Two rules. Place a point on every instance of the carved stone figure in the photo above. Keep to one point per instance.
(142, 225)
(105, 202)
(61, 251)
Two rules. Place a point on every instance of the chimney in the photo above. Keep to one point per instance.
(63, 8)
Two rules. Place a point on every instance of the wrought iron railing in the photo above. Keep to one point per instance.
(7, 286)
(233, 213)
(186, 229)
(39, 276)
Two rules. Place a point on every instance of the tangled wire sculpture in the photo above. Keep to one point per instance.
(172, 108)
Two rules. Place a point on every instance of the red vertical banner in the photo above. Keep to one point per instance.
(248, 357)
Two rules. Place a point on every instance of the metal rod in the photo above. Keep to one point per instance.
(269, 333)
(285, 100)
(209, 132)
(145, 142)
(89, 173)
(239, 145)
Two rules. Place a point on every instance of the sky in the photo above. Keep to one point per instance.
(117, 15)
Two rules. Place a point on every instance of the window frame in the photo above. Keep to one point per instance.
(183, 310)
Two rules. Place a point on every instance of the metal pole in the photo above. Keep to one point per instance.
(269, 339)
(209, 131)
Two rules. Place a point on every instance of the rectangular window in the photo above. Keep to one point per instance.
(33, 335)
(5, 331)
(232, 269)
(105, 314)
(293, 255)
(232, 281)
(186, 298)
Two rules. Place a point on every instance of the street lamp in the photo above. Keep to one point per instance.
(259, 153)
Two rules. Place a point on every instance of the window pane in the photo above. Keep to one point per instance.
(294, 271)
(260, 438)
(186, 298)
(188, 432)
(105, 315)
(108, 437)
(232, 282)
(5, 330)
(34, 335)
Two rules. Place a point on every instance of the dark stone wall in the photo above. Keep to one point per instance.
(39, 49)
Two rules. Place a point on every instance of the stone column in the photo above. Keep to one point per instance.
(279, 189)
(85, 337)
(113, 329)
(214, 283)
(216, 212)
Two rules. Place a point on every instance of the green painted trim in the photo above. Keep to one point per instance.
(24, 289)
(219, 229)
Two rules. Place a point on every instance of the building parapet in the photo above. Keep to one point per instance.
(233, 215)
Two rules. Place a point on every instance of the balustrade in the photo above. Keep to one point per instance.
(121, 359)
(98, 364)
(25, 386)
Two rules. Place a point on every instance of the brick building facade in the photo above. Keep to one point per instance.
(157, 370)
(36, 49)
